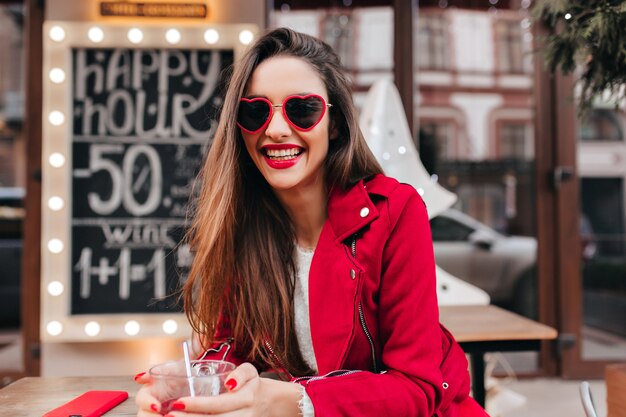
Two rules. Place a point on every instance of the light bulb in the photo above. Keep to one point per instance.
(55, 245)
(56, 159)
(92, 328)
(245, 37)
(57, 33)
(211, 36)
(135, 35)
(54, 328)
(55, 203)
(56, 118)
(55, 288)
(132, 328)
(95, 34)
(172, 36)
(56, 75)
(170, 326)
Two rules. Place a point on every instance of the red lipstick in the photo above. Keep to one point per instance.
(282, 155)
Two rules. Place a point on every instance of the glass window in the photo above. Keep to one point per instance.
(485, 202)
(515, 141)
(510, 49)
(603, 256)
(436, 138)
(361, 36)
(338, 32)
(602, 125)
(445, 229)
(432, 42)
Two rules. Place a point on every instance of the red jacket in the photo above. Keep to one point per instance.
(376, 313)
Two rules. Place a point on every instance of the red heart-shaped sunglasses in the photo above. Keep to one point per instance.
(301, 112)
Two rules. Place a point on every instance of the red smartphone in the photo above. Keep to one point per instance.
(89, 404)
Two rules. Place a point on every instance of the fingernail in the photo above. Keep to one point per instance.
(154, 408)
(169, 415)
(178, 406)
(231, 384)
(139, 375)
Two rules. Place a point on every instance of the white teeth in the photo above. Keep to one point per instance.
(281, 153)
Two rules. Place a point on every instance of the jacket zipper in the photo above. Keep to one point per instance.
(277, 359)
(339, 372)
(362, 317)
(369, 337)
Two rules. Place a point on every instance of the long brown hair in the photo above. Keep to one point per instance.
(242, 237)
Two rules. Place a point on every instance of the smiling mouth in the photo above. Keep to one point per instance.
(282, 154)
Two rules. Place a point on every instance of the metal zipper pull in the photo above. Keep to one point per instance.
(277, 359)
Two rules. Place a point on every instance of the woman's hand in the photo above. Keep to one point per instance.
(147, 403)
(249, 396)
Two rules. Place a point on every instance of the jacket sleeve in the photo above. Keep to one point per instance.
(409, 332)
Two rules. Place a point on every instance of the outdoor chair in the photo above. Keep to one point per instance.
(587, 399)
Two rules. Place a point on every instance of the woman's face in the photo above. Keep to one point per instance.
(291, 160)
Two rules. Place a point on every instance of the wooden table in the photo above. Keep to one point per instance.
(478, 329)
(33, 397)
(483, 329)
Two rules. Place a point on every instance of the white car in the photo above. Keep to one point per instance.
(503, 266)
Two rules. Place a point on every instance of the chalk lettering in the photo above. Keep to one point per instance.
(114, 91)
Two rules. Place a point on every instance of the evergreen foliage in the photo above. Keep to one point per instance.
(588, 37)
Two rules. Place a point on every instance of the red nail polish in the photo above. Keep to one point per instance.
(231, 384)
(154, 408)
(177, 405)
(168, 415)
(139, 375)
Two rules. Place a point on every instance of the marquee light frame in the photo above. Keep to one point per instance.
(60, 37)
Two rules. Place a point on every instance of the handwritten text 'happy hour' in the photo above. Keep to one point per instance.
(125, 79)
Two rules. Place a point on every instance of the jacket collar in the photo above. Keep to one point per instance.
(351, 210)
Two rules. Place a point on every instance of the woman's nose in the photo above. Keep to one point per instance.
(278, 126)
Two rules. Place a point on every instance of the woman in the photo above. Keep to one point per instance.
(310, 262)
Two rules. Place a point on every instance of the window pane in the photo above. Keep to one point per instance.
(338, 32)
(515, 141)
(602, 125)
(448, 230)
(603, 254)
(431, 51)
(510, 46)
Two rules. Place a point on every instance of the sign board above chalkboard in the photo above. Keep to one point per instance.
(125, 132)
(152, 9)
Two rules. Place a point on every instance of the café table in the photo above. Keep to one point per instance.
(478, 329)
(481, 329)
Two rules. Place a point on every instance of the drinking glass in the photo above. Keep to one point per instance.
(170, 381)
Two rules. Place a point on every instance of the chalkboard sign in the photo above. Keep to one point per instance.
(141, 121)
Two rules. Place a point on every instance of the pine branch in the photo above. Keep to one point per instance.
(587, 36)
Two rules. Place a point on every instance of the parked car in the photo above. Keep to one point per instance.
(503, 266)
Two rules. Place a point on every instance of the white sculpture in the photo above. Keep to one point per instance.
(386, 130)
